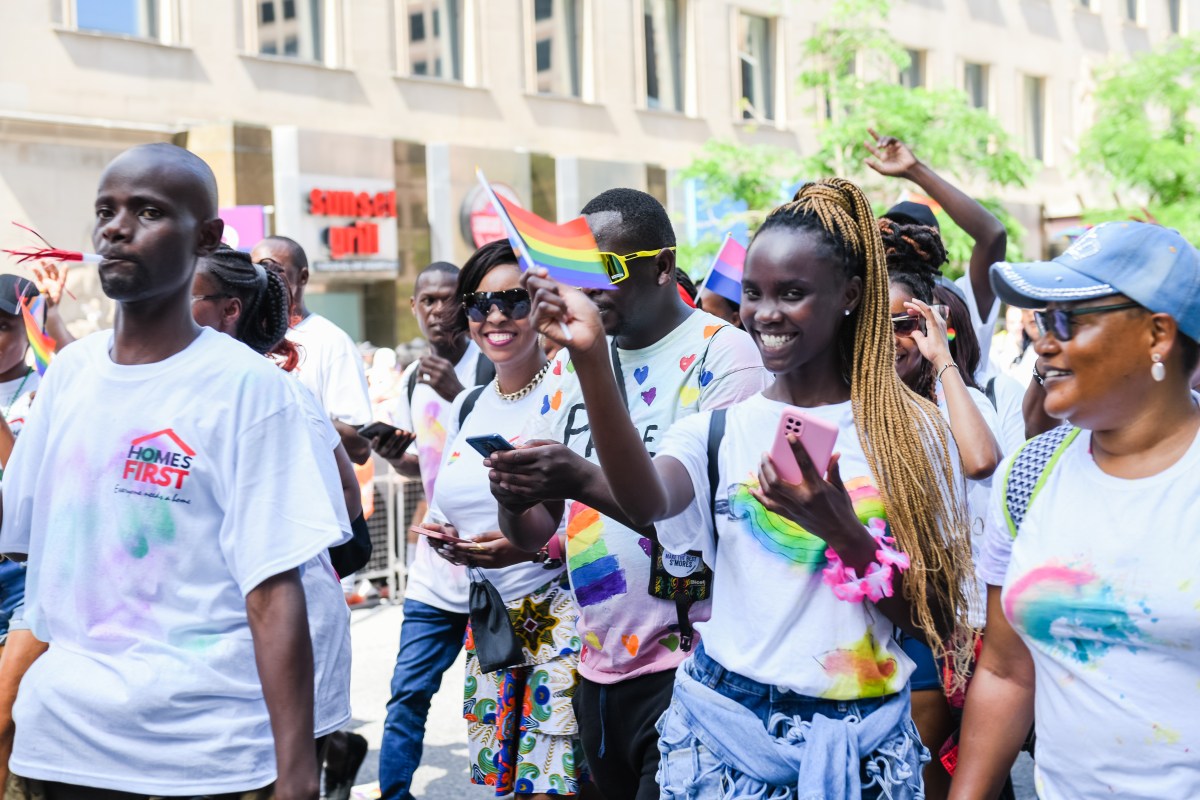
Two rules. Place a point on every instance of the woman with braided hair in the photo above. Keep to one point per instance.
(926, 363)
(798, 686)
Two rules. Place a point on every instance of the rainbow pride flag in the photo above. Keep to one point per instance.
(568, 251)
(725, 275)
(43, 346)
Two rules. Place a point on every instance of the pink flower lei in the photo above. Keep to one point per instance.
(876, 584)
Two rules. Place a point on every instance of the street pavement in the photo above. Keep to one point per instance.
(443, 772)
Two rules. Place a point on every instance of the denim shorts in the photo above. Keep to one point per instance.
(927, 675)
(688, 769)
(12, 593)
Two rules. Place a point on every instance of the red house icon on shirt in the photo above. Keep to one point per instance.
(164, 464)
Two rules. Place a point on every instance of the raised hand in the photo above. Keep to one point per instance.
(439, 374)
(563, 315)
(934, 342)
(51, 280)
(892, 156)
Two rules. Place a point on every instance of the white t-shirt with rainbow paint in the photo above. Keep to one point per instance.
(774, 620)
(1101, 585)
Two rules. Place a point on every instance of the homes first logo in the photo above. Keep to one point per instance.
(159, 459)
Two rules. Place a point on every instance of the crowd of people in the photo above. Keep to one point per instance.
(821, 542)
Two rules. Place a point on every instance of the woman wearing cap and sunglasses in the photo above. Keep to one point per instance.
(1091, 548)
(521, 727)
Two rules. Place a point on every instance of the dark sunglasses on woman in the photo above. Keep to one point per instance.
(512, 303)
(1058, 320)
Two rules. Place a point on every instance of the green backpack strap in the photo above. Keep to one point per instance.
(1028, 471)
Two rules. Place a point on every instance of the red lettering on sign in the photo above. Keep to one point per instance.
(358, 239)
(323, 203)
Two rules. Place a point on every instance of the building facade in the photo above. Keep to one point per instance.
(356, 126)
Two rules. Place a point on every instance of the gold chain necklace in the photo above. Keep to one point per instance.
(529, 387)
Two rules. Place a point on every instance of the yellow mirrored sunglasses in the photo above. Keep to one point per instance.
(616, 267)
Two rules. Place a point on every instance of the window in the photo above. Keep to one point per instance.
(914, 74)
(1175, 15)
(139, 18)
(756, 58)
(975, 81)
(1035, 117)
(662, 29)
(291, 29)
(557, 47)
(443, 49)
(1133, 11)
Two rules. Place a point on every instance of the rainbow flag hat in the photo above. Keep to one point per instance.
(568, 251)
(725, 275)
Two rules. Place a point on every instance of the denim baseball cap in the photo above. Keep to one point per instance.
(1151, 265)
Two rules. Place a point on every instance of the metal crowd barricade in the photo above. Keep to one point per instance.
(396, 500)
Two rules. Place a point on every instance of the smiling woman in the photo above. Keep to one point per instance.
(1091, 548)
(507, 752)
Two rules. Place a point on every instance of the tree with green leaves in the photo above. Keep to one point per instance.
(852, 64)
(1144, 139)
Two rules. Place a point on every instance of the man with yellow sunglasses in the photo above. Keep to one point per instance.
(673, 361)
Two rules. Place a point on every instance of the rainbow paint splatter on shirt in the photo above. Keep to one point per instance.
(788, 539)
(596, 574)
(862, 669)
(1071, 610)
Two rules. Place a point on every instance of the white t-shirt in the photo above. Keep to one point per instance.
(328, 614)
(151, 500)
(433, 580)
(463, 496)
(1101, 585)
(703, 364)
(17, 399)
(1010, 399)
(332, 369)
(768, 570)
(979, 495)
(984, 325)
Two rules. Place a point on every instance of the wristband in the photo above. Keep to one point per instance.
(943, 369)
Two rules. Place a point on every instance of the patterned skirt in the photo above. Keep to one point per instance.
(521, 728)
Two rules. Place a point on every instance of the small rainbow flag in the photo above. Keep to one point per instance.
(43, 346)
(725, 274)
(568, 251)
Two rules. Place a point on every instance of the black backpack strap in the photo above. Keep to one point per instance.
(989, 389)
(469, 404)
(412, 385)
(616, 362)
(485, 371)
(716, 432)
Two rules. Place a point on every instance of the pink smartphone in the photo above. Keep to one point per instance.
(817, 436)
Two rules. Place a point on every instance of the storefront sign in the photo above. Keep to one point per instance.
(480, 222)
(360, 238)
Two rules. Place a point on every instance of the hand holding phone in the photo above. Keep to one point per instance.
(816, 435)
(486, 445)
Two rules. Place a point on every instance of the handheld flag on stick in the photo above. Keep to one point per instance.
(42, 345)
(568, 251)
(725, 275)
(49, 252)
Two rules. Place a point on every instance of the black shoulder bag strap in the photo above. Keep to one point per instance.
(716, 432)
(412, 384)
(989, 389)
(485, 370)
(469, 404)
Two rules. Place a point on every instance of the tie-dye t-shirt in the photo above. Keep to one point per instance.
(1101, 584)
(774, 620)
(703, 364)
(151, 499)
(433, 580)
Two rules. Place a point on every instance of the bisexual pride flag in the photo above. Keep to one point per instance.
(568, 251)
(725, 275)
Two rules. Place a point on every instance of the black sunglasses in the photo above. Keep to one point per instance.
(512, 303)
(904, 326)
(1058, 320)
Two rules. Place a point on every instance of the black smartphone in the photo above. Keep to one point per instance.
(380, 429)
(486, 445)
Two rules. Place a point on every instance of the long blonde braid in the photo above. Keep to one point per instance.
(903, 435)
